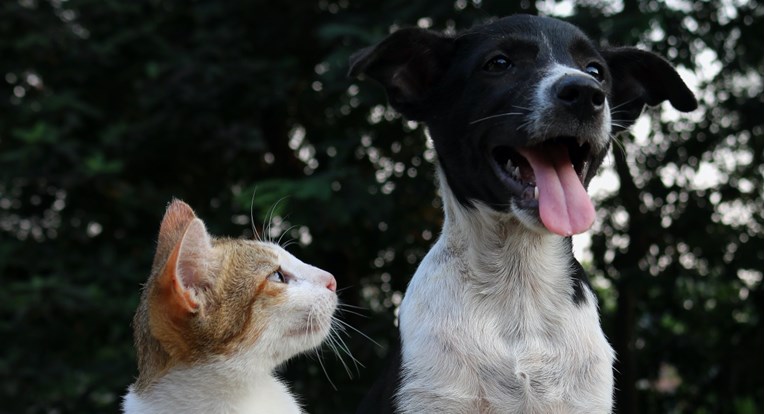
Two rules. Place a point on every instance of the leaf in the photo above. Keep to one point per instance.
(39, 133)
(97, 164)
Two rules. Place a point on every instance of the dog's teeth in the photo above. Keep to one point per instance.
(517, 172)
(509, 166)
(536, 193)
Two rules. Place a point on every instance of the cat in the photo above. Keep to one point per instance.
(216, 317)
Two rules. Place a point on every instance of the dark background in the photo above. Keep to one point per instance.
(110, 108)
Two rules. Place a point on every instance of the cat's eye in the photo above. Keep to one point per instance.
(595, 70)
(277, 276)
(498, 63)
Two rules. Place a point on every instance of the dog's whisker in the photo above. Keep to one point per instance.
(627, 102)
(618, 143)
(495, 116)
(524, 124)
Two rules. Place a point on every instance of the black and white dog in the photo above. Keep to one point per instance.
(500, 317)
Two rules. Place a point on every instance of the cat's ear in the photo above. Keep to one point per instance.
(186, 271)
(177, 218)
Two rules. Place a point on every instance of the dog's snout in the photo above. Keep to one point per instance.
(581, 95)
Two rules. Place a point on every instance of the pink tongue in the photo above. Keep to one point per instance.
(564, 206)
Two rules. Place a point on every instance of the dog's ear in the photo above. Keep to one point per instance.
(643, 78)
(407, 63)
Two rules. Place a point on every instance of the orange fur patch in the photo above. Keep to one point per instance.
(177, 325)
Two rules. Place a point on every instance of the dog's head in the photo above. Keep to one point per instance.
(521, 110)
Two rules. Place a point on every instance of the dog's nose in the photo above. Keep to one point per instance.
(581, 95)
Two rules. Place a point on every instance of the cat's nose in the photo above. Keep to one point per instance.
(331, 282)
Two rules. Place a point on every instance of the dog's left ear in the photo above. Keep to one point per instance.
(407, 63)
(643, 78)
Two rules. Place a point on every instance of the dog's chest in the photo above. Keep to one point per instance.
(480, 335)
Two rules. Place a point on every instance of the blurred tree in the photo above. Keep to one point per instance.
(108, 109)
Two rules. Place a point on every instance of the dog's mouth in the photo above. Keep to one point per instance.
(549, 177)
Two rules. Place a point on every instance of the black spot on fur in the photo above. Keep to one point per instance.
(579, 280)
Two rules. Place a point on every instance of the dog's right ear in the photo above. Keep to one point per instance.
(643, 78)
(407, 63)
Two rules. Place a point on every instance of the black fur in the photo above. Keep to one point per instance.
(441, 81)
(579, 279)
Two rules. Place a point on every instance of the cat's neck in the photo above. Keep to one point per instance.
(216, 387)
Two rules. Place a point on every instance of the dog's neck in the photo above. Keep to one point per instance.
(501, 251)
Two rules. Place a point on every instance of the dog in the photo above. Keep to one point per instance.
(499, 316)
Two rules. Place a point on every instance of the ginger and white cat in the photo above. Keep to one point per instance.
(216, 317)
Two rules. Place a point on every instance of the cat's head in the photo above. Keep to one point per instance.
(210, 300)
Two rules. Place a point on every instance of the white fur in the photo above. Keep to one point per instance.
(489, 325)
(244, 383)
(214, 388)
(541, 128)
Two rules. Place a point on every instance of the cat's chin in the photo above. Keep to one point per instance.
(314, 324)
(307, 332)
(307, 337)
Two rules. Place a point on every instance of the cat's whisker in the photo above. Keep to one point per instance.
(255, 233)
(332, 343)
(357, 331)
(345, 332)
(266, 226)
(309, 322)
(289, 243)
(270, 217)
(279, 242)
(326, 374)
(346, 305)
(347, 350)
(338, 342)
(339, 309)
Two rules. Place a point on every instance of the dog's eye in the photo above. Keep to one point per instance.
(498, 63)
(277, 276)
(595, 70)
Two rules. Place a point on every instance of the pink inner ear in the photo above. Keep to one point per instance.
(194, 255)
(177, 218)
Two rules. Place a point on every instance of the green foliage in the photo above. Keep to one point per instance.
(108, 109)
